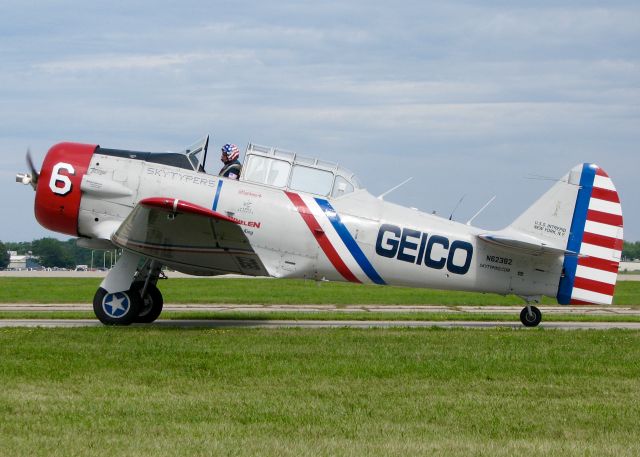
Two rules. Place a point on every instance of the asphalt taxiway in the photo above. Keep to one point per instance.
(600, 311)
(227, 323)
(344, 309)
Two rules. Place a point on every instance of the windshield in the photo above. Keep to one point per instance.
(197, 153)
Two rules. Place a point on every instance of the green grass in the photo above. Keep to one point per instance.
(268, 291)
(169, 392)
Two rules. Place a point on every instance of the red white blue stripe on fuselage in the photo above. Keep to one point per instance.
(334, 239)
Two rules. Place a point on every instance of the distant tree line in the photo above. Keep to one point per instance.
(51, 252)
(4, 256)
(631, 251)
(66, 254)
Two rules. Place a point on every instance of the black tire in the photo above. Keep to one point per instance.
(127, 309)
(531, 320)
(151, 303)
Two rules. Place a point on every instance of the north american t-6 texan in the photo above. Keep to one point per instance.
(289, 216)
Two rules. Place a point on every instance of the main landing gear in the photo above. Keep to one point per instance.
(129, 294)
(531, 316)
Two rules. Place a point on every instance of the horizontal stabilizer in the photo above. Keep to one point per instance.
(521, 242)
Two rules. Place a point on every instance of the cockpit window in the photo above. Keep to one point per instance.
(280, 168)
(341, 187)
(265, 170)
(311, 180)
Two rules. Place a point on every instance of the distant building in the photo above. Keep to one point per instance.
(22, 262)
(629, 266)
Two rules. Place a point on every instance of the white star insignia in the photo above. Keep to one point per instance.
(116, 303)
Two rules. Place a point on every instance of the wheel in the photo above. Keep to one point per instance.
(118, 308)
(151, 303)
(530, 319)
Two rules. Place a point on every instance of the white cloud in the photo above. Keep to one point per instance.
(142, 62)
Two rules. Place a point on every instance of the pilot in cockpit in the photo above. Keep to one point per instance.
(232, 165)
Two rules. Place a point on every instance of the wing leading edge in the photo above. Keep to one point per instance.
(189, 238)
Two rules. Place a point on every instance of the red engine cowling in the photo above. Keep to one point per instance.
(58, 192)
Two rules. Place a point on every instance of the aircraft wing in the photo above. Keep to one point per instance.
(524, 243)
(188, 237)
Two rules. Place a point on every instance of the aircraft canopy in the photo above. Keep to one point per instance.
(288, 170)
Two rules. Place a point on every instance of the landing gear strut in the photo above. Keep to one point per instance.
(129, 294)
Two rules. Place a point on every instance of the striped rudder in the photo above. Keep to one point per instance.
(596, 236)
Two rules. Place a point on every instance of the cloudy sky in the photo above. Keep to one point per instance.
(469, 98)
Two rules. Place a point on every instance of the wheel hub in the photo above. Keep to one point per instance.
(116, 305)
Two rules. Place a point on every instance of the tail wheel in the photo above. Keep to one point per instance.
(530, 316)
(118, 308)
(151, 303)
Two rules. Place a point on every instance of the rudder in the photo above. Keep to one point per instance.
(596, 235)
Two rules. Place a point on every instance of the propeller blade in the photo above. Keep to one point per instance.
(34, 173)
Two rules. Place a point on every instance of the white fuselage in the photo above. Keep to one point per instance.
(356, 237)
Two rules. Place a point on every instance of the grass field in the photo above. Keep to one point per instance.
(133, 392)
(268, 291)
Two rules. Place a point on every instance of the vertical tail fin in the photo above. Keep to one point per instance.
(580, 214)
(596, 234)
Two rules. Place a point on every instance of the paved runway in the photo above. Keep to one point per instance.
(196, 323)
(408, 309)
(309, 309)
